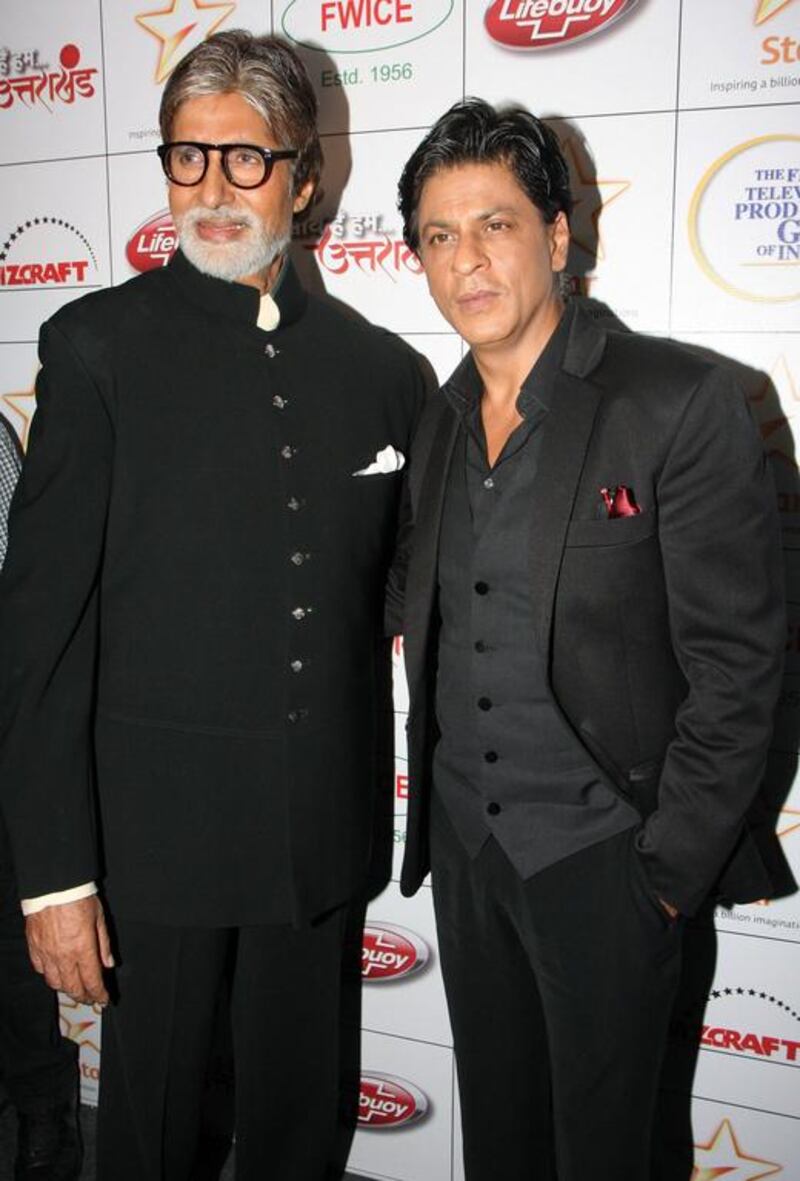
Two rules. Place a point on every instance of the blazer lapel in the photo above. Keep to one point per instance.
(567, 432)
(421, 578)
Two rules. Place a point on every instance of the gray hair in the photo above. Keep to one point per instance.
(268, 75)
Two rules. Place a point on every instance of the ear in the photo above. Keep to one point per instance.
(303, 196)
(559, 241)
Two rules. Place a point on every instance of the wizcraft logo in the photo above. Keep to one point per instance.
(389, 952)
(55, 263)
(362, 26)
(744, 220)
(722, 1156)
(153, 243)
(548, 24)
(43, 86)
(386, 1101)
(743, 1022)
(180, 27)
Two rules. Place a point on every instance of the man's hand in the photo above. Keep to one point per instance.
(69, 946)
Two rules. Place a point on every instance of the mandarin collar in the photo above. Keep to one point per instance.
(238, 301)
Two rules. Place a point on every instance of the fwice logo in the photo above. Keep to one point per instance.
(391, 953)
(723, 1156)
(744, 220)
(362, 26)
(546, 24)
(385, 1101)
(44, 252)
(153, 243)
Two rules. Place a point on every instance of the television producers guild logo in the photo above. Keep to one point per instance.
(362, 26)
(45, 252)
(24, 79)
(723, 1156)
(547, 24)
(744, 220)
(386, 1101)
(153, 243)
(180, 26)
(391, 953)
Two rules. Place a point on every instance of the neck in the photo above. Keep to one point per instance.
(265, 280)
(504, 365)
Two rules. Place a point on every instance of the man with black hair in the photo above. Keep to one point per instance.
(589, 589)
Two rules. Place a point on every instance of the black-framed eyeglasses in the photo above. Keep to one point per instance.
(245, 166)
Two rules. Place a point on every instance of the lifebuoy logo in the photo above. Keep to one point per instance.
(44, 252)
(391, 953)
(547, 24)
(153, 243)
(386, 1101)
(362, 26)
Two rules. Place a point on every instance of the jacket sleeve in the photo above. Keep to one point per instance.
(720, 544)
(48, 625)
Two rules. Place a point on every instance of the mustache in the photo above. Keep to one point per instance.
(223, 215)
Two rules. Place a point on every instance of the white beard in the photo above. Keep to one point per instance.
(252, 254)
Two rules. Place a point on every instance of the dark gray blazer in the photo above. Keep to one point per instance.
(663, 632)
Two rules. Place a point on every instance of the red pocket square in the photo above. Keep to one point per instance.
(620, 501)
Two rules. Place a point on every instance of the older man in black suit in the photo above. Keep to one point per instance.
(593, 630)
(192, 620)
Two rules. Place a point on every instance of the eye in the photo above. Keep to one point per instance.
(439, 238)
(246, 158)
(497, 225)
(189, 155)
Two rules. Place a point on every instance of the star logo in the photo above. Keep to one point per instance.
(722, 1157)
(181, 26)
(22, 404)
(591, 196)
(777, 432)
(766, 9)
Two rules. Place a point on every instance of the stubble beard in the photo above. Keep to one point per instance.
(254, 253)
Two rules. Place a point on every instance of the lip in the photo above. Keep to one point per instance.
(216, 231)
(477, 301)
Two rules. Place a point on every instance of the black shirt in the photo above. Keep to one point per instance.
(508, 763)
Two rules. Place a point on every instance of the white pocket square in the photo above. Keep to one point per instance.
(384, 462)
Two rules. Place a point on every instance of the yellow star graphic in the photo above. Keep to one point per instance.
(791, 823)
(594, 195)
(722, 1157)
(180, 27)
(23, 407)
(768, 8)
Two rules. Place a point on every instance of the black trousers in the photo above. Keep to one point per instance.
(157, 1035)
(37, 1065)
(559, 990)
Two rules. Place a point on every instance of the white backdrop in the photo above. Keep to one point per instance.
(680, 121)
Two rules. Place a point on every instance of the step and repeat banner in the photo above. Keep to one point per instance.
(681, 123)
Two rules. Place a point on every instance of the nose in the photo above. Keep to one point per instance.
(468, 255)
(215, 189)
